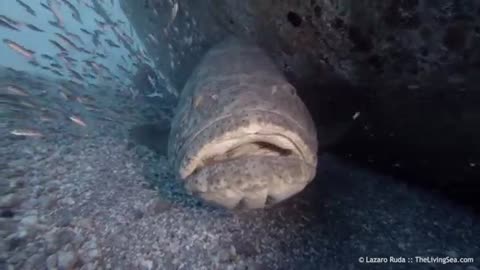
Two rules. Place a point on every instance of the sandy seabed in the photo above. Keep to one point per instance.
(103, 203)
(97, 197)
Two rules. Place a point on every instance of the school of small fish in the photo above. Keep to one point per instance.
(68, 43)
(74, 61)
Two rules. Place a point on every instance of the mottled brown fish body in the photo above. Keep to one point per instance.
(241, 137)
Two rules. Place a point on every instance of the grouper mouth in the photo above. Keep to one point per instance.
(250, 166)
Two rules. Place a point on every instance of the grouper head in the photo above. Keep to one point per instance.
(241, 137)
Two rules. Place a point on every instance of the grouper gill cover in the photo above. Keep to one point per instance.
(241, 137)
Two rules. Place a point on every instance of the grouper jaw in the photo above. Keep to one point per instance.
(249, 181)
(250, 170)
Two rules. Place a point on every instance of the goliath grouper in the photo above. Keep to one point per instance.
(241, 137)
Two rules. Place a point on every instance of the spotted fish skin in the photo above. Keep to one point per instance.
(241, 137)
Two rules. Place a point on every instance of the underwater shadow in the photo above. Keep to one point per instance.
(157, 172)
(425, 138)
(420, 122)
(347, 212)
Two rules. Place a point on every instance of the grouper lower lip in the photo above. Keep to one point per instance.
(251, 165)
(241, 136)
(249, 181)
